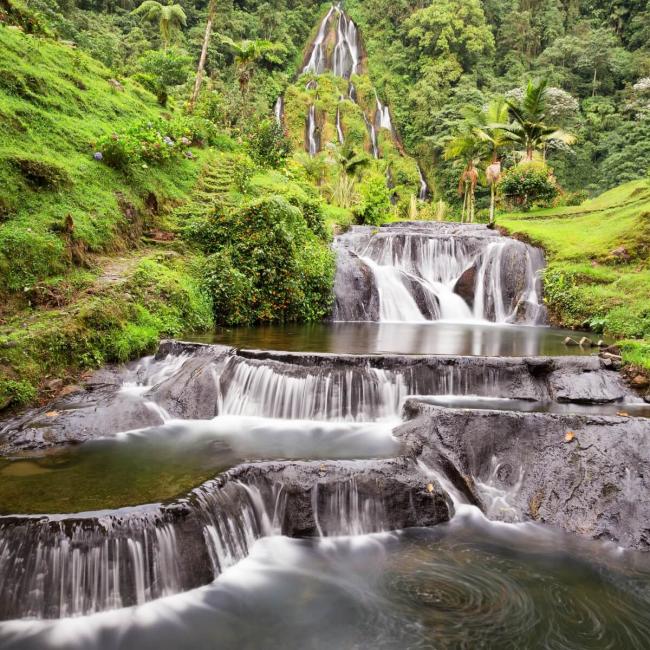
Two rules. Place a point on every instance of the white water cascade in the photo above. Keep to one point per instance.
(311, 131)
(339, 126)
(318, 60)
(424, 188)
(278, 110)
(372, 131)
(347, 54)
(442, 271)
(383, 116)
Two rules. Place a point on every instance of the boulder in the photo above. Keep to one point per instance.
(465, 286)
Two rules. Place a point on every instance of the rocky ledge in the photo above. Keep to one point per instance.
(588, 475)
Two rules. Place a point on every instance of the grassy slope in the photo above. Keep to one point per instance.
(58, 315)
(588, 281)
(54, 103)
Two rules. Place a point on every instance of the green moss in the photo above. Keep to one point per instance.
(636, 353)
(160, 296)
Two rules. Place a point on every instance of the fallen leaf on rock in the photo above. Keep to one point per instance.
(570, 435)
(623, 414)
(429, 487)
(52, 414)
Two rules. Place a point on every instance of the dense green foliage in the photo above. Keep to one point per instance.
(268, 266)
(432, 59)
(58, 204)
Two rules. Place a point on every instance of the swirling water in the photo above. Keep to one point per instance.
(461, 585)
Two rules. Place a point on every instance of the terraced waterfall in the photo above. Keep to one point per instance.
(341, 485)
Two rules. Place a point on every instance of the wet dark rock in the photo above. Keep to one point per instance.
(187, 543)
(355, 294)
(570, 341)
(466, 284)
(328, 497)
(595, 485)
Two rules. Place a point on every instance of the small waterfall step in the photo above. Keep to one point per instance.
(56, 566)
(426, 271)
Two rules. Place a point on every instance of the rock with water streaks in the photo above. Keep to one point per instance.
(589, 475)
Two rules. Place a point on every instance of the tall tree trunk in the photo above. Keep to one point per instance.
(493, 193)
(593, 87)
(204, 55)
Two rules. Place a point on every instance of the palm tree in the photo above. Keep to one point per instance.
(467, 148)
(488, 129)
(171, 18)
(249, 53)
(529, 127)
(212, 8)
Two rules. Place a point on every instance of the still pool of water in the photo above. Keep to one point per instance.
(467, 584)
(632, 409)
(160, 463)
(437, 337)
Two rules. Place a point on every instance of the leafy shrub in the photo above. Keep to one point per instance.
(267, 265)
(243, 169)
(145, 141)
(41, 173)
(574, 198)
(528, 184)
(15, 393)
(162, 69)
(230, 288)
(268, 144)
(312, 210)
(374, 207)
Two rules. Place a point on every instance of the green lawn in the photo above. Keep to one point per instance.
(598, 255)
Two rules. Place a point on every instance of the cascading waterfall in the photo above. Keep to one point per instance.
(383, 116)
(344, 511)
(318, 60)
(372, 132)
(417, 270)
(358, 393)
(424, 188)
(346, 51)
(53, 568)
(311, 131)
(492, 300)
(278, 110)
(339, 126)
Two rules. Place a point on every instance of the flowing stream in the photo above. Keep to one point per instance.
(376, 481)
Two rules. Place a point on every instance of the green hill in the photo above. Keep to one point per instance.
(59, 205)
(598, 273)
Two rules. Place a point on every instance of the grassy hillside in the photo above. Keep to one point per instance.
(598, 273)
(58, 205)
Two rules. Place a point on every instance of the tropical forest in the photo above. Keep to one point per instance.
(324, 324)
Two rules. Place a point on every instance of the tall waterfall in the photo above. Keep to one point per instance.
(278, 110)
(431, 271)
(383, 116)
(372, 132)
(318, 60)
(312, 137)
(339, 126)
(346, 51)
(424, 188)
